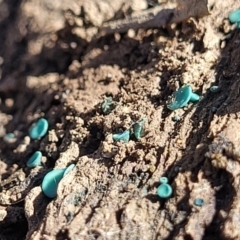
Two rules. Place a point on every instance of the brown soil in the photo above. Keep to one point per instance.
(52, 66)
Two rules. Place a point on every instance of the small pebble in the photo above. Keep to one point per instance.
(182, 97)
(9, 102)
(131, 33)
(176, 169)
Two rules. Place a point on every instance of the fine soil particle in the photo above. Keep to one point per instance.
(57, 68)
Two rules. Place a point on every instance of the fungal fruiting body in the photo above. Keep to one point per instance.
(182, 97)
(35, 160)
(124, 136)
(234, 17)
(51, 180)
(138, 129)
(199, 202)
(164, 190)
(107, 105)
(39, 129)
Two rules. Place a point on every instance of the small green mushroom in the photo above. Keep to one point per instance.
(107, 105)
(51, 180)
(39, 129)
(138, 129)
(214, 89)
(182, 97)
(35, 160)
(199, 202)
(9, 138)
(164, 190)
(176, 118)
(234, 16)
(68, 169)
(124, 136)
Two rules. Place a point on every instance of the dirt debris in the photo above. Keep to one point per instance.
(54, 68)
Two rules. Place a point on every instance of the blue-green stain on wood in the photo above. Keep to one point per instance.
(39, 129)
(124, 136)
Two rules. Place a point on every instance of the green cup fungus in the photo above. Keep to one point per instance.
(176, 118)
(199, 202)
(214, 89)
(124, 136)
(138, 129)
(9, 137)
(234, 17)
(68, 169)
(182, 97)
(164, 190)
(35, 160)
(51, 180)
(39, 129)
(107, 105)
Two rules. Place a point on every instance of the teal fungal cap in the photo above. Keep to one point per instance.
(163, 180)
(68, 169)
(107, 105)
(182, 97)
(199, 202)
(51, 180)
(9, 137)
(164, 190)
(35, 160)
(214, 89)
(39, 129)
(176, 118)
(214, 109)
(138, 129)
(234, 16)
(124, 136)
